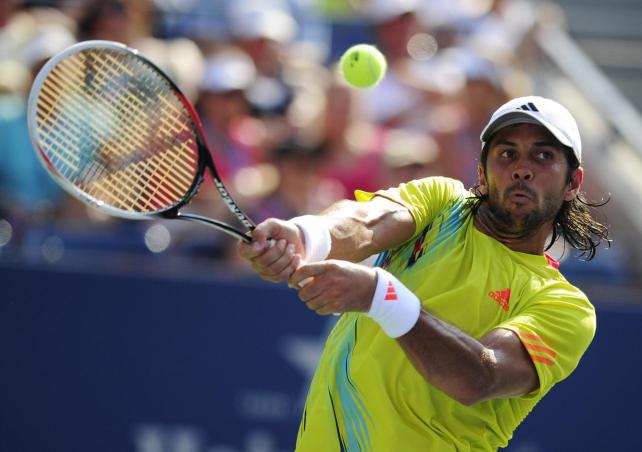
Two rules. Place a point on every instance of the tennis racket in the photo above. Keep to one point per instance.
(118, 134)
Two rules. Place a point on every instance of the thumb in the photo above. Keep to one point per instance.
(267, 233)
(274, 230)
(262, 232)
(261, 240)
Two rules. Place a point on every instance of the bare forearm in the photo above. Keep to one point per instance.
(348, 230)
(448, 358)
(465, 368)
(359, 230)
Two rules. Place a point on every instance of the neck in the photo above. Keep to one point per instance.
(530, 241)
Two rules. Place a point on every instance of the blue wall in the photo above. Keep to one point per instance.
(113, 363)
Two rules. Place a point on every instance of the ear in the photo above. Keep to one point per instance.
(481, 177)
(573, 187)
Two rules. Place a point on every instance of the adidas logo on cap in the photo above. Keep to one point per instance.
(537, 110)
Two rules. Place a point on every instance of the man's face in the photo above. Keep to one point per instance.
(526, 177)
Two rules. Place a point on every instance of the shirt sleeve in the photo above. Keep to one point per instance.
(424, 198)
(556, 329)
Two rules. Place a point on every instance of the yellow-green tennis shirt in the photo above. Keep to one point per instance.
(367, 396)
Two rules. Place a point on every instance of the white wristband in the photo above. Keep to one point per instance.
(316, 233)
(395, 308)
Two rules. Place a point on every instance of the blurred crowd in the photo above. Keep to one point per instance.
(287, 134)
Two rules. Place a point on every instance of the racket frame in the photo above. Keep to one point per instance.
(205, 160)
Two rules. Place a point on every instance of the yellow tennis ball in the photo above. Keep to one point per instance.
(363, 65)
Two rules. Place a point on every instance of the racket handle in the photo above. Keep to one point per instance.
(220, 226)
(240, 235)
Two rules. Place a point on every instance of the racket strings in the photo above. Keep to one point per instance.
(92, 116)
(96, 169)
(116, 130)
(133, 104)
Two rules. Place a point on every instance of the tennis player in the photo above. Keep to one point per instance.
(465, 323)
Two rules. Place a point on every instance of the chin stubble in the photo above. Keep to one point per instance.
(506, 224)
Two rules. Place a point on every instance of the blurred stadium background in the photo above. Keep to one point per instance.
(154, 337)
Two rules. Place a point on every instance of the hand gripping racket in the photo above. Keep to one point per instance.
(118, 134)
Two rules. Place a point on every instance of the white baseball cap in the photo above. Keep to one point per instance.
(382, 11)
(264, 21)
(540, 111)
(228, 70)
(46, 42)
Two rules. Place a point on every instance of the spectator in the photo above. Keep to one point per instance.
(482, 93)
(409, 156)
(301, 186)
(393, 22)
(105, 19)
(25, 187)
(353, 146)
(225, 111)
(261, 30)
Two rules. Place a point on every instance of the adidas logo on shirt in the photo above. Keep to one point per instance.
(501, 297)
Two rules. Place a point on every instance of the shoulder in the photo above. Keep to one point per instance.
(438, 185)
(439, 192)
(425, 198)
(564, 307)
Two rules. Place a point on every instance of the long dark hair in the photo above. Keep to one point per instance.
(574, 221)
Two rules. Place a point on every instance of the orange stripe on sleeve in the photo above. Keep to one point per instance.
(541, 359)
(534, 337)
(539, 348)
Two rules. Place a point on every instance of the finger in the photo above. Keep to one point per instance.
(256, 247)
(321, 305)
(244, 249)
(307, 271)
(282, 263)
(315, 302)
(270, 256)
(291, 268)
(266, 229)
(328, 309)
(311, 290)
(268, 232)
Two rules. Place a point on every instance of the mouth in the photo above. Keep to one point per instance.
(520, 194)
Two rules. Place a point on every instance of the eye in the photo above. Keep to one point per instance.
(507, 153)
(544, 155)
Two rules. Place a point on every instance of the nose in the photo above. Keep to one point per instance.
(522, 172)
